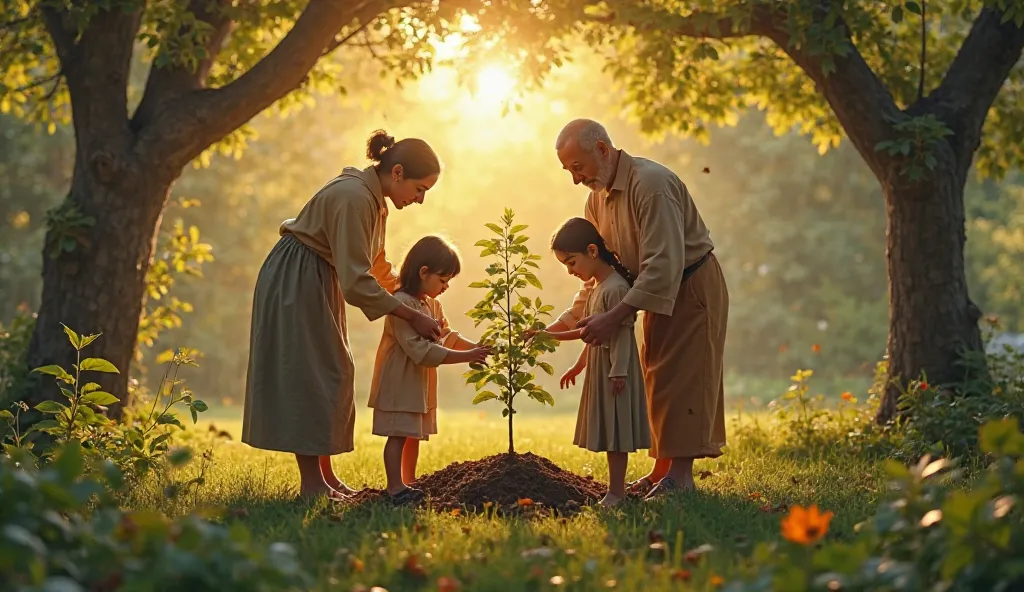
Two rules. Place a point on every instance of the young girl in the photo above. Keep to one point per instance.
(403, 393)
(613, 408)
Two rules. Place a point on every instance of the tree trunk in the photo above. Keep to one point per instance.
(932, 321)
(96, 284)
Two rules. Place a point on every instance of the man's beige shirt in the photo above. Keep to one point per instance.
(649, 219)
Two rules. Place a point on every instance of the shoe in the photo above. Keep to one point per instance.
(408, 497)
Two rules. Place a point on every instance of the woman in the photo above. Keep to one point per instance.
(299, 394)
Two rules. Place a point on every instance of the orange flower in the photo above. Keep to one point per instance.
(525, 501)
(357, 565)
(805, 526)
(848, 397)
(682, 575)
(783, 348)
(816, 348)
(717, 581)
(456, 512)
(924, 385)
(446, 584)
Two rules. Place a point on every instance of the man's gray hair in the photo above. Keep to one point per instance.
(587, 134)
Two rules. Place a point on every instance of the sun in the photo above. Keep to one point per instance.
(494, 84)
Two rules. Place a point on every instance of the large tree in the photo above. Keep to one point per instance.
(923, 91)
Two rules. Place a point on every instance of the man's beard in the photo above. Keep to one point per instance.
(603, 178)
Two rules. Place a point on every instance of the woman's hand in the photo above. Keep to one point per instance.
(618, 384)
(531, 333)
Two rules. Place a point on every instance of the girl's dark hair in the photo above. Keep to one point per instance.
(417, 158)
(432, 252)
(577, 234)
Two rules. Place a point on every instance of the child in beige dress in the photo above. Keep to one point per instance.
(613, 408)
(403, 393)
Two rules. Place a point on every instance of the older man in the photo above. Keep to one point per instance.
(645, 214)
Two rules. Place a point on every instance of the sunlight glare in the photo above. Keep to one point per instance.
(494, 85)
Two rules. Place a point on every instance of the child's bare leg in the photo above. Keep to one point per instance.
(410, 455)
(659, 470)
(393, 463)
(311, 480)
(331, 479)
(617, 462)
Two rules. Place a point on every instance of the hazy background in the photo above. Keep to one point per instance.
(801, 237)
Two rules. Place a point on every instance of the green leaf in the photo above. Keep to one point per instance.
(90, 387)
(55, 370)
(50, 407)
(518, 228)
(46, 425)
(200, 406)
(100, 398)
(484, 284)
(169, 419)
(897, 14)
(960, 556)
(69, 461)
(87, 339)
(495, 229)
(546, 368)
(98, 365)
(1002, 436)
(533, 281)
(7, 415)
(913, 7)
(73, 337)
(484, 396)
(158, 441)
(179, 456)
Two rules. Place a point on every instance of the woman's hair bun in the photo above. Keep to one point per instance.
(377, 144)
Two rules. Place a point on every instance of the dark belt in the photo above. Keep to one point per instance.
(693, 267)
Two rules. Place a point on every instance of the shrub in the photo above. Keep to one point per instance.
(62, 531)
(945, 421)
(134, 445)
(933, 534)
(14, 340)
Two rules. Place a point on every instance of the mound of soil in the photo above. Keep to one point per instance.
(503, 482)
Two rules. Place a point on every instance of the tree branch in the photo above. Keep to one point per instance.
(96, 67)
(182, 130)
(169, 82)
(975, 78)
(858, 98)
(862, 104)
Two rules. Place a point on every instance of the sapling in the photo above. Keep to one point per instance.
(509, 313)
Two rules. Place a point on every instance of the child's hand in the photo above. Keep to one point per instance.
(618, 384)
(531, 333)
(570, 377)
(478, 355)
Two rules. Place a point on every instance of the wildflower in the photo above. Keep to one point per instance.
(446, 584)
(924, 386)
(805, 526)
(456, 512)
(717, 581)
(683, 575)
(525, 501)
(848, 397)
(816, 348)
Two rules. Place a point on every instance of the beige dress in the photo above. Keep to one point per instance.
(403, 392)
(299, 394)
(608, 422)
(650, 219)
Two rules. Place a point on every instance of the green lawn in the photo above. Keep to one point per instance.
(368, 546)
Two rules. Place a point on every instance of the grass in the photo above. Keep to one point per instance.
(609, 548)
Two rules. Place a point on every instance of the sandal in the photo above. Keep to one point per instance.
(639, 488)
(407, 497)
(664, 488)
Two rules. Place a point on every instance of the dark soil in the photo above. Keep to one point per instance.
(519, 483)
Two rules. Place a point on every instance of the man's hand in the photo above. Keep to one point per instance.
(426, 326)
(618, 384)
(600, 328)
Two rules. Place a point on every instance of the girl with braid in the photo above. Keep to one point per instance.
(613, 408)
